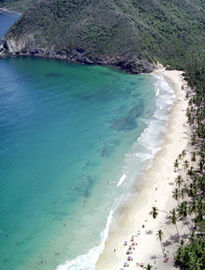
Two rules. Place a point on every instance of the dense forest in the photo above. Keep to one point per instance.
(169, 32)
(116, 32)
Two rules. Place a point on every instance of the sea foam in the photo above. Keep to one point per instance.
(150, 141)
(122, 179)
(145, 148)
(88, 261)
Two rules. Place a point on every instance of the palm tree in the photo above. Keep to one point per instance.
(191, 171)
(183, 211)
(186, 164)
(182, 193)
(201, 165)
(149, 267)
(173, 219)
(176, 194)
(192, 207)
(200, 209)
(179, 181)
(193, 157)
(192, 191)
(176, 164)
(195, 263)
(193, 139)
(160, 236)
(183, 153)
(182, 242)
(154, 212)
(180, 156)
(201, 183)
(190, 102)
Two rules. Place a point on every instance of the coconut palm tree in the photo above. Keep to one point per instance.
(201, 165)
(186, 164)
(173, 219)
(160, 236)
(179, 181)
(176, 195)
(183, 211)
(176, 164)
(191, 171)
(193, 139)
(200, 209)
(180, 156)
(183, 153)
(192, 207)
(154, 212)
(201, 182)
(195, 263)
(182, 193)
(192, 191)
(193, 157)
(149, 267)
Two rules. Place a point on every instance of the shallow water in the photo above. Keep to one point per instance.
(72, 143)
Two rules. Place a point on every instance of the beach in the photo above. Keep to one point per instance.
(133, 221)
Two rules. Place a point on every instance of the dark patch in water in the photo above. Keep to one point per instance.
(19, 243)
(89, 185)
(129, 121)
(109, 147)
(83, 189)
(91, 164)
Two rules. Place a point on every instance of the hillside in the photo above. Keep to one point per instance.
(130, 34)
(133, 35)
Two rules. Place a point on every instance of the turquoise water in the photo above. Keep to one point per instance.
(68, 133)
(64, 132)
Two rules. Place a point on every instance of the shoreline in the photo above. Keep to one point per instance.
(134, 219)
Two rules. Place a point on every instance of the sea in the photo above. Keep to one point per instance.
(73, 141)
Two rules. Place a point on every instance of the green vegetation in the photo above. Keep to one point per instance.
(156, 30)
(170, 32)
(16, 5)
(190, 193)
(191, 255)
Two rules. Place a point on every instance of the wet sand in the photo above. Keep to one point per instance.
(133, 222)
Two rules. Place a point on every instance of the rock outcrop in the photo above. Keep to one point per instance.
(128, 63)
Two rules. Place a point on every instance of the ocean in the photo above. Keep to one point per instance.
(73, 141)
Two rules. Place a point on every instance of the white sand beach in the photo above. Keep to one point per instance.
(134, 219)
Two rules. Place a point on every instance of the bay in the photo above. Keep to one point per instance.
(66, 134)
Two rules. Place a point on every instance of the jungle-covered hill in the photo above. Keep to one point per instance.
(131, 34)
